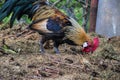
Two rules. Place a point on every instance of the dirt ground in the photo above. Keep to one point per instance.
(20, 59)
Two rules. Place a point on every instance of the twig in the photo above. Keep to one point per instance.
(27, 32)
(55, 3)
(83, 3)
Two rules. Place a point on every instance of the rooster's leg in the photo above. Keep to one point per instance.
(42, 41)
(56, 45)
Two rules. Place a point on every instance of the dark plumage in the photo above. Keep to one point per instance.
(53, 25)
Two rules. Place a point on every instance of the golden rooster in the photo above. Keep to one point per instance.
(48, 22)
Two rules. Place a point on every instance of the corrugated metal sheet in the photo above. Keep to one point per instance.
(108, 18)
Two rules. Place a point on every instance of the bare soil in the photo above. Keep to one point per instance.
(20, 59)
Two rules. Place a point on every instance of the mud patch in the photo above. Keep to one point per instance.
(28, 64)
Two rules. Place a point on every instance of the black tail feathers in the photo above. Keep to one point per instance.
(18, 8)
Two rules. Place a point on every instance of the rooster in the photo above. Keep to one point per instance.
(49, 22)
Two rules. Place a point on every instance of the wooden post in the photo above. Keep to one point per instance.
(93, 15)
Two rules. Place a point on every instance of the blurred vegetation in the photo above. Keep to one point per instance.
(78, 9)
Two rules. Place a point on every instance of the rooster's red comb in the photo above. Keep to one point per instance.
(93, 47)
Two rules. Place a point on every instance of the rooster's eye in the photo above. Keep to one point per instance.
(85, 44)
